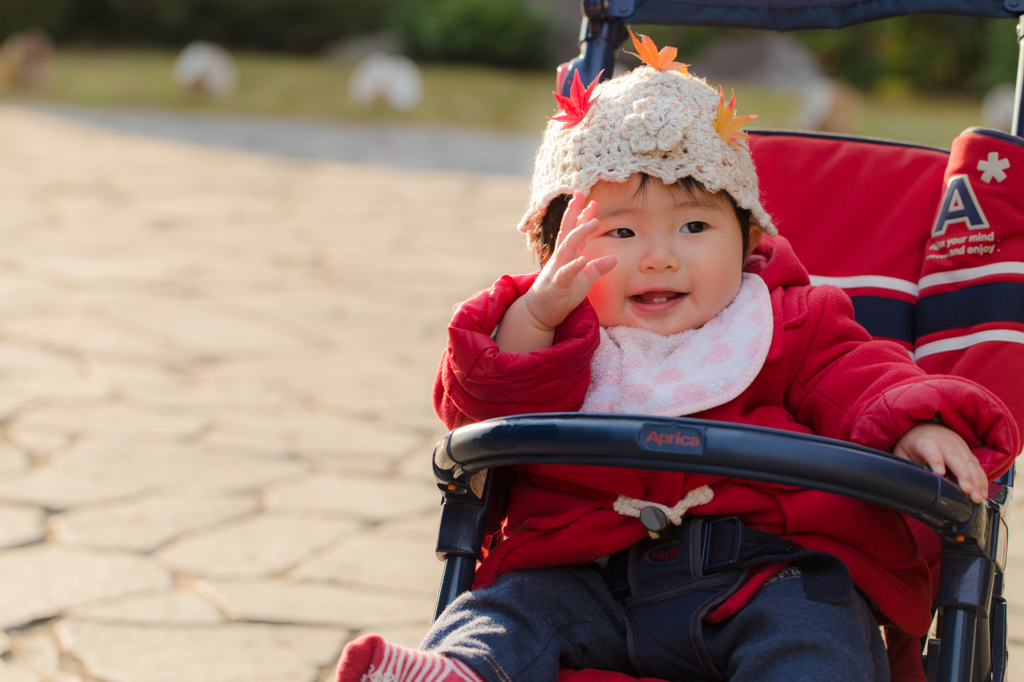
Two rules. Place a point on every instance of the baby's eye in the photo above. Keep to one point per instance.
(621, 233)
(694, 227)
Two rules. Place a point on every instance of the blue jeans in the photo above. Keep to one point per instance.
(529, 624)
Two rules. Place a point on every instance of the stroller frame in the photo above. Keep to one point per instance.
(604, 26)
(972, 613)
(974, 537)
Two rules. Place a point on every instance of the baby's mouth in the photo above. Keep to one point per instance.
(656, 296)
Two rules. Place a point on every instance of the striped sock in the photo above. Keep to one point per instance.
(371, 659)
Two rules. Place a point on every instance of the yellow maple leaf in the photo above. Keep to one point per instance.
(727, 124)
(649, 55)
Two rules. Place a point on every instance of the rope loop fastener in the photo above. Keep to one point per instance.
(628, 506)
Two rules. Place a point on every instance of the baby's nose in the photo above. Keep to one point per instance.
(659, 257)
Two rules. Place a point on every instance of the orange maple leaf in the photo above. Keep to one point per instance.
(727, 124)
(577, 104)
(649, 55)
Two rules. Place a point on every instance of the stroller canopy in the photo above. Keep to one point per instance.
(787, 15)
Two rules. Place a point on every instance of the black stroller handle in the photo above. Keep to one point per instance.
(699, 446)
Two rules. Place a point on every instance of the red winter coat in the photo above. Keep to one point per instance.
(823, 375)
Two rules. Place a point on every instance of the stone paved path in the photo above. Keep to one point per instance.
(214, 415)
(215, 411)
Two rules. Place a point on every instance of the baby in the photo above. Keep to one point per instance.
(665, 291)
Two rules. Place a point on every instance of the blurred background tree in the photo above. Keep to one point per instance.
(507, 33)
(273, 25)
(916, 53)
(54, 16)
(919, 52)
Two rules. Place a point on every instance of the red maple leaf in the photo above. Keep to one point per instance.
(577, 104)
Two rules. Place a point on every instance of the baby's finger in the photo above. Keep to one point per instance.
(980, 477)
(566, 274)
(588, 213)
(959, 462)
(566, 252)
(959, 467)
(571, 216)
(577, 237)
(598, 268)
(930, 454)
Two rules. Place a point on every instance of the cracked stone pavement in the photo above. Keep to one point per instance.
(215, 421)
(215, 403)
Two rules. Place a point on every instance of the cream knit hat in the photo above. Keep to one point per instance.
(661, 123)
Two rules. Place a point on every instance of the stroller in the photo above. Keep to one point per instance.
(932, 257)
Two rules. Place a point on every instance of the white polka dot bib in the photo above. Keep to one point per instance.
(639, 372)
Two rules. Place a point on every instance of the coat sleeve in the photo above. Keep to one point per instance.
(475, 381)
(870, 392)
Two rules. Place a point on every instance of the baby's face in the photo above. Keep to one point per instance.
(680, 258)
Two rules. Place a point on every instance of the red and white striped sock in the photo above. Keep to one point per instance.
(372, 659)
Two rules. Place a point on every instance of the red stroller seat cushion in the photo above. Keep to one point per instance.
(857, 212)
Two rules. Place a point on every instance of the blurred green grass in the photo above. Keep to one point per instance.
(284, 85)
(457, 96)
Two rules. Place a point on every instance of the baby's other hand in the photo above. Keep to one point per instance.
(939, 448)
(568, 275)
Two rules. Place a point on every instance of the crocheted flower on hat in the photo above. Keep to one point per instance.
(648, 53)
(727, 124)
(655, 125)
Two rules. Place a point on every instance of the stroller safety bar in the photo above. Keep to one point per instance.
(705, 447)
(973, 622)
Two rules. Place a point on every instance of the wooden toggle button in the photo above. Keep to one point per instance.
(654, 520)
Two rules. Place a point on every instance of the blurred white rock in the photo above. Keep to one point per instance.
(393, 78)
(206, 67)
(781, 64)
(776, 61)
(26, 58)
(829, 105)
(997, 107)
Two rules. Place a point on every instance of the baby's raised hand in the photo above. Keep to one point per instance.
(939, 448)
(562, 284)
(568, 275)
